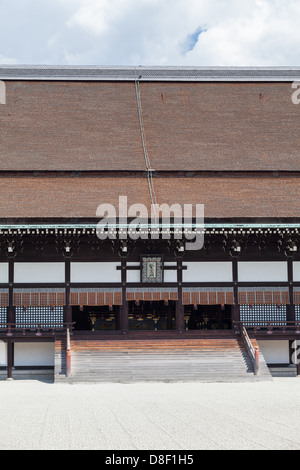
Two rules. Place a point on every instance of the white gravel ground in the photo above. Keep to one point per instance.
(150, 416)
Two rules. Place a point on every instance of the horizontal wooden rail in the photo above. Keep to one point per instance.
(38, 329)
(269, 328)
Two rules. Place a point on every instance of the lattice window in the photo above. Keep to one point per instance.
(3, 317)
(297, 312)
(261, 315)
(46, 317)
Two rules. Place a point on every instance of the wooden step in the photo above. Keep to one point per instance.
(168, 360)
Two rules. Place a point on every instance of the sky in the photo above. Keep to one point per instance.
(150, 32)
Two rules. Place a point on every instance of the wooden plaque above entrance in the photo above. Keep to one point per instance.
(152, 269)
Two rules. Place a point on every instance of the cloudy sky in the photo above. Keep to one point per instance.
(150, 32)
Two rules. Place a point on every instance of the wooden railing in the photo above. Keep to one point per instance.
(275, 327)
(34, 329)
(253, 352)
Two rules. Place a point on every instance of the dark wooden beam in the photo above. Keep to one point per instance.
(124, 326)
(291, 306)
(68, 308)
(179, 305)
(10, 359)
(236, 307)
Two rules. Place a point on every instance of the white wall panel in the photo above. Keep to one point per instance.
(275, 352)
(207, 272)
(3, 273)
(170, 275)
(95, 272)
(296, 270)
(34, 354)
(134, 275)
(39, 272)
(263, 271)
(3, 354)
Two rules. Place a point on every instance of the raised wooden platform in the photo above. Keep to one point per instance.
(210, 357)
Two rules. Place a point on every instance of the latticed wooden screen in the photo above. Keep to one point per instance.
(46, 317)
(297, 313)
(3, 317)
(261, 315)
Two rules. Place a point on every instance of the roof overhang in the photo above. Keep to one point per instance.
(153, 73)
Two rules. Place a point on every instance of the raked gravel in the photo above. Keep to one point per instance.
(150, 416)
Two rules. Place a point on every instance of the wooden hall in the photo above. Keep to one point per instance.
(86, 302)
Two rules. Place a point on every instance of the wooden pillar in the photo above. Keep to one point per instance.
(124, 308)
(291, 351)
(298, 369)
(179, 305)
(169, 317)
(291, 306)
(68, 308)
(10, 358)
(220, 319)
(11, 318)
(236, 307)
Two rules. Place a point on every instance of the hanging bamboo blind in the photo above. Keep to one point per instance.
(149, 294)
(207, 296)
(39, 297)
(95, 297)
(264, 296)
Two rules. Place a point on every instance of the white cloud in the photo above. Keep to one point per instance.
(150, 32)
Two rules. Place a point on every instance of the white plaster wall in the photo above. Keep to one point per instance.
(207, 272)
(95, 272)
(39, 272)
(134, 276)
(263, 271)
(34, 354)
(3, 354)
(275, 352)
(170, 275)
(3, 273)
(296, 271)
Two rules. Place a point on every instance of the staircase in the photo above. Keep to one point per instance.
(208, 359)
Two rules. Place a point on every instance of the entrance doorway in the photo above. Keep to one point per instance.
(96, 318)
(152, 316)
(208, 317)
